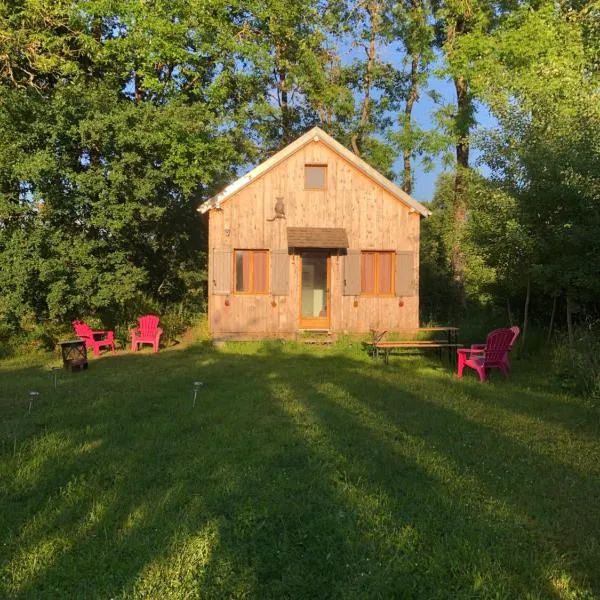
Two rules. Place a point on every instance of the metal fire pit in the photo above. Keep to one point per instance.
(74, 355)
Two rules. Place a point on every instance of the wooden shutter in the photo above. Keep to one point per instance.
(405, 274)
(280, 273)
(352, 273)
(221, 271)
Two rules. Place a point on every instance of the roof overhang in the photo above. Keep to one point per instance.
(317, 237)
(315, 135)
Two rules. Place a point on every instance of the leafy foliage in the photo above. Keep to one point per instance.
(109, 151)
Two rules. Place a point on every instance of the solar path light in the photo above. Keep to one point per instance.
(32, 396)
(197, 385)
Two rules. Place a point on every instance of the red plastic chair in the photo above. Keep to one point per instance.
(147, 332)
(516, 331)
(94, 339)
(492, 355)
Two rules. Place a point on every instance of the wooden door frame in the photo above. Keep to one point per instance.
(315, 322)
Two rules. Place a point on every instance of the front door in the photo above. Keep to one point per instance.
(314, 291)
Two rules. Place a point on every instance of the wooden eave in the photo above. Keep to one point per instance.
(317, 237)
(316, 134)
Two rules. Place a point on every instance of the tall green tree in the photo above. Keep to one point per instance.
(456, 21)
(414, 31)
(539, 75)
(374, 84)
(113, 135)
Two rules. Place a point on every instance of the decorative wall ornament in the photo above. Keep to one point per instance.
(279, 209)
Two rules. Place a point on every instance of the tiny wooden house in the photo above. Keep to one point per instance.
(312, 239)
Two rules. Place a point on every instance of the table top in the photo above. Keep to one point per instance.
(71, 342)
(418, 329)
(413, 342)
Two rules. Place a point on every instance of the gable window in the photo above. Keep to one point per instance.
(377, 273)
(250, 271)
(315, 177)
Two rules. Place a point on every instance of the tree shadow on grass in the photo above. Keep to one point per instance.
(295, 475)
(518, 498)
(530, 391)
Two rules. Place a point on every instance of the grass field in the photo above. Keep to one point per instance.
(299, 473)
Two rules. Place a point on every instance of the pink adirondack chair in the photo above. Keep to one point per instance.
(94, 339)
(147, 332)
(493, 354)
(516, 331)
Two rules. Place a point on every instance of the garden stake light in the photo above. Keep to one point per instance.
(32, 395)
(197, 384)
(55, 371)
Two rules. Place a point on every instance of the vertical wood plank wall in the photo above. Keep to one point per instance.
(373, 219)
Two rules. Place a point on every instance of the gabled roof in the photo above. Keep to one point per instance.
(318, 135)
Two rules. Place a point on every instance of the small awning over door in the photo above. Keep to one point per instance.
(317, 237)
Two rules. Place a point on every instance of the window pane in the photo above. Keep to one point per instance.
(247, 270)
(239, 271)
(314, 286)
(315, 177)
(368, 273)
(260, 272)
(384, 273)
(251, 275)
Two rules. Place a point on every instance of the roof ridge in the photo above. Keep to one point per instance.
(314, 134)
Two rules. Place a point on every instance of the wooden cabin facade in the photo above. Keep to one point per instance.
(312, 239)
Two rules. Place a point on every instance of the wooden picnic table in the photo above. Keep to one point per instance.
(386, 347)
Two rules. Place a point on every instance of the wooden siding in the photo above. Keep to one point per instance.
(372, 217)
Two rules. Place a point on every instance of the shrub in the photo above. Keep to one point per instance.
(580, 372)
(6, 338)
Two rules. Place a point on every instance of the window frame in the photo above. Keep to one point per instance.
(322, 166)
(252, 252)
(392, 287)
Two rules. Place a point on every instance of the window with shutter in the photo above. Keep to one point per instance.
(251, 273)
(377, 273)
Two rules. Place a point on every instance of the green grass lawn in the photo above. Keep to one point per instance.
(300, 473)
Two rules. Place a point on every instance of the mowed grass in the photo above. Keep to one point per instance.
(299, 473)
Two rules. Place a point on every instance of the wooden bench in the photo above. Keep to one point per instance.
(378, 345)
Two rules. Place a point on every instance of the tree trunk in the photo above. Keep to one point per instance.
(373, 11)
(460, 182)
(526, 313)
(462, 130)
(552, 314)
(281, 82)
(570, 327)
(463, 121)
(286, 121)
(509, 312)
(138, 91)
(413, 93)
